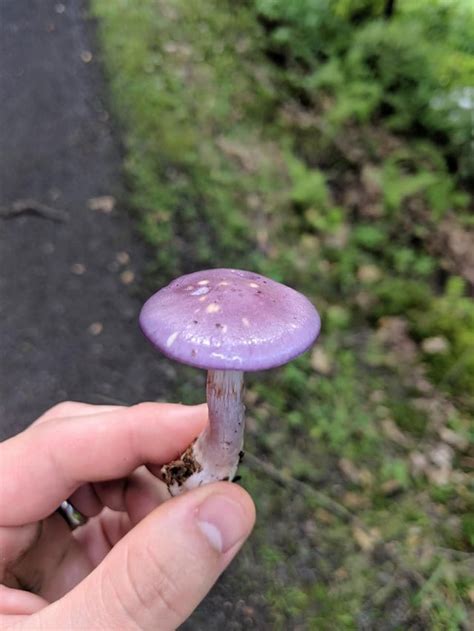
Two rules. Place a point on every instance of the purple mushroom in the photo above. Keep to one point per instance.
(226, 321)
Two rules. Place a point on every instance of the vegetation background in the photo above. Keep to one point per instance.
(329, 145)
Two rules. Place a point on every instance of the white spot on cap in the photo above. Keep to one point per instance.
(172, 338)
(213, 308)
(189, 287)
(202, 298)
(224, 328)
(200, 291)
(223, 283)
(245, 322)
(203, 282)
(200, 341)
(232, 358)
(254, 285)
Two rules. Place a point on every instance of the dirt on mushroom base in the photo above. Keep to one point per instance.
(178, 471)
(263, 176)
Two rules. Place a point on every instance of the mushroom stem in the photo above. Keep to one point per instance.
(216, 453)
(222, 441)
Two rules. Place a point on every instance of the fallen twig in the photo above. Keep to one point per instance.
(456, 555)
(33, 207)
(286, 480)
(337, 509)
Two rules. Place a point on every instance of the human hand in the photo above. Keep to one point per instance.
(139, 562)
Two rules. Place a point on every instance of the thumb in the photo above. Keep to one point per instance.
(161, 570)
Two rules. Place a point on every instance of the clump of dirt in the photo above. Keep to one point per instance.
(178, 471)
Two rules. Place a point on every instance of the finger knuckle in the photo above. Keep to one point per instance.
(144, 594)
(160, 593)
(114, 610)
(64, 408)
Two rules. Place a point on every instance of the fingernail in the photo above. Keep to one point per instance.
(222, 521)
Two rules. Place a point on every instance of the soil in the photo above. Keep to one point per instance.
(70, 280)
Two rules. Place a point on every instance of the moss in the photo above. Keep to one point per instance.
(409, 418)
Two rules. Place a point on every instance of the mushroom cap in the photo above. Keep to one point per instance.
(229, 319)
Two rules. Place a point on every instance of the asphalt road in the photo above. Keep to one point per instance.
(68, 305)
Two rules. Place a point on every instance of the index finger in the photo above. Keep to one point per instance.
(46, 463)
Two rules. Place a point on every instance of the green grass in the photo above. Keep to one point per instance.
(325, 183)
